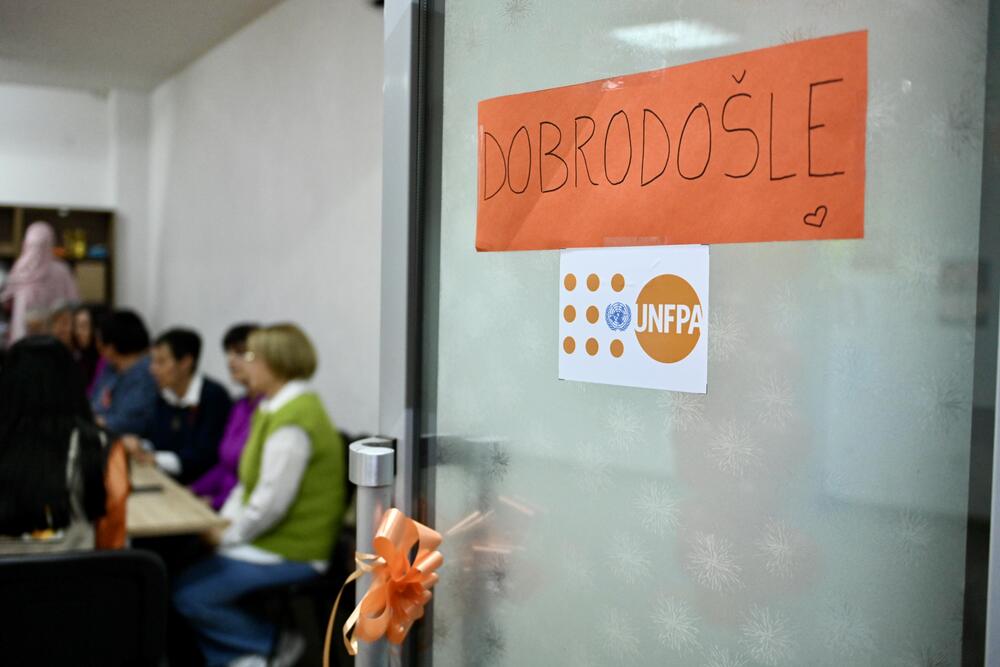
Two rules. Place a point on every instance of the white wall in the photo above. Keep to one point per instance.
(245, 187)
(75, 148)
(128, 117)
(265, 179)
(55, 147)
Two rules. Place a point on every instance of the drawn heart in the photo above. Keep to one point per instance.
(816, 218)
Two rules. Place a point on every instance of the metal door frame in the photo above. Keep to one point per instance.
(404, 148)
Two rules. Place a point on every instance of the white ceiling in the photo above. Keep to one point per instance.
(104, 44)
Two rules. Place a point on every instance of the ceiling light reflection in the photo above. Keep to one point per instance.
(674, 36)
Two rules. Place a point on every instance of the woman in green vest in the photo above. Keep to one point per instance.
(285, 511)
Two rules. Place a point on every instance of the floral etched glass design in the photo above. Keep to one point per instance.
(811, 508)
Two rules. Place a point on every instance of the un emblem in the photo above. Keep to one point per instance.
(618, 316)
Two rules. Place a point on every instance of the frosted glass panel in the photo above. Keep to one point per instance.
(811, 508)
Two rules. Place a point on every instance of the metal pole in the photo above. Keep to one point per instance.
(372, 469)
(399, 346)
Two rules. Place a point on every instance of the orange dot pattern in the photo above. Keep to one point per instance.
(593, 314)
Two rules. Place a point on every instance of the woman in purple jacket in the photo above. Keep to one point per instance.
(220, 479)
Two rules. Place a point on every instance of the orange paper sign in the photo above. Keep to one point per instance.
(767, 145)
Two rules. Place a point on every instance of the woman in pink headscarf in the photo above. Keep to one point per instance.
(38, 280)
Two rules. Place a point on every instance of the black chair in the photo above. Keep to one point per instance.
(106, 608)
(315, 596)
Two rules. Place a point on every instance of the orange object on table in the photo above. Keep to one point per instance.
(110, 530)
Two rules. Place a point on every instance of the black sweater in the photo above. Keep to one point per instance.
(193, 433)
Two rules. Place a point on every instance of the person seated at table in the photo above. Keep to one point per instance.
(104, 373)
(218, 482)
(60, 324)
(124, 395)
(58, 476)
(88, 357)
(285, 510)
(190, 414)
(36, 321)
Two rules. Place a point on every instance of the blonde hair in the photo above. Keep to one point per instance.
(285, 349)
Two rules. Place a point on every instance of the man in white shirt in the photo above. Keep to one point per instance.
(190, 414)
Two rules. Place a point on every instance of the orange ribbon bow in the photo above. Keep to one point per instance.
(399, 589)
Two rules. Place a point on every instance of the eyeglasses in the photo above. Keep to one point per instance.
(249, 357)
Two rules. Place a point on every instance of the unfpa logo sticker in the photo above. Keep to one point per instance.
(668, 324)
(655, 306)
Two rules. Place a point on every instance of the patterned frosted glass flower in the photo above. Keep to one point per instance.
(683, 411)
(515, 10)
(577, 571)
(723, 657)
(913, 535)
(676, 625)
(619, 637)
(780, 549)
(623, 422)
(917, 266)
(629, 559)
(657, 508)
(942, 402)
(473, 37)
(783, 308)
(497, 462)
(846, 632)
(496, 579)
(725, 335)
(766, 637)
(959, 127)
(882, 113)
(774, 401)
(593, 468)
(491, 645)
(797, 34)
(734, 450)
(924, 656)
(713, 564)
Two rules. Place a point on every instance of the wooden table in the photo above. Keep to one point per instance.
(159, 506)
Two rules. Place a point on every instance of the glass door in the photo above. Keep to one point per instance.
(813, 507)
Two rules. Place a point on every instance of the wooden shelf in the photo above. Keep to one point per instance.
(95, 275)
(7, 233)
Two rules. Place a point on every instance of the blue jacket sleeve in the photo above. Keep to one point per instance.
(133, 403)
